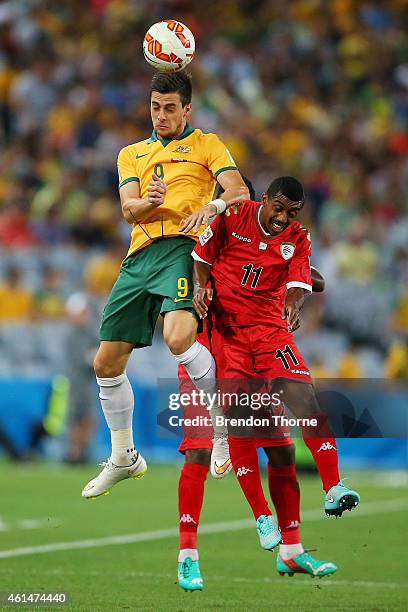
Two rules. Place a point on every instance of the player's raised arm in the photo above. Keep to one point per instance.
(235, 189)
(134, 207)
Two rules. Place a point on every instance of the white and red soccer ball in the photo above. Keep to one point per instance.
(168, 46)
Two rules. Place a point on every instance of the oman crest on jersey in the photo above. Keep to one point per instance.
(287, 249)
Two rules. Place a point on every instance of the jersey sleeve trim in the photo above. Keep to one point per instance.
(129, 180)
(198, 258)
(216, 174)
(304, 286)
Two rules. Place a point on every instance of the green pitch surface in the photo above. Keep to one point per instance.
(119, 552)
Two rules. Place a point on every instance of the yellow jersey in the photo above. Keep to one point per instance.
(188, 164)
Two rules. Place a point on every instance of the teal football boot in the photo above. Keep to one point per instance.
(305, 564)
(189, 576)
(268, 532)
(340, 498)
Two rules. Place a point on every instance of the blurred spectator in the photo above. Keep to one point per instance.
(318, 367)
(357, 257)
(54, 419)
(349, 366)
(49, 301)
(16, 301)
(102, 270)
(15, 228)
(51, 230)
(399, 320)
(80, 347)
(397, 360)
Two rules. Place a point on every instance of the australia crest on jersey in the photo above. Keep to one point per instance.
(287, 249)
(181, 149)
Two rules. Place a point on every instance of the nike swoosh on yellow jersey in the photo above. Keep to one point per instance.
(139, 156)
(222, 468)
(181, 299)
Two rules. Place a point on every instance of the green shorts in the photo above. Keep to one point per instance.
(153, 281)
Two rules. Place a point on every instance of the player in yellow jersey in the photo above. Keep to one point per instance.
(165, 183)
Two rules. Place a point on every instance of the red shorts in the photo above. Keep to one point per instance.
(258, 351)
(197, 437)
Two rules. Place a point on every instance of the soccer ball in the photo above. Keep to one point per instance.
(168, 46)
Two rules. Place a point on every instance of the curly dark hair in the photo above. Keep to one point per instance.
(287, 186)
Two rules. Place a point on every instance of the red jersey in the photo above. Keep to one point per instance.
(252, 269)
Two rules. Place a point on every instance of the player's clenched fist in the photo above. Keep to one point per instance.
(156, 191)
(202, 295)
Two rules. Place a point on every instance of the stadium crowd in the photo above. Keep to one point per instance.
(304, 87)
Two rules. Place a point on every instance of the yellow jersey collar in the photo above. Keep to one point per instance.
(165, 141)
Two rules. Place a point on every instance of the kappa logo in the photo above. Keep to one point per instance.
(187, 518)
(182, 150)
(242, 471)
(206, 235)
(293, 525)
(243, 238)
(287, 249)
(326, 446)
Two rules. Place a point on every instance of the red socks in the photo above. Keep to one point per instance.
(283, 487)
(285, 495)
(244, 459)
(324, 451)
(321, 443)
(190, 496)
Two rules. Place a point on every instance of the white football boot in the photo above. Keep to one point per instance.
(221, 463)
(111, 474)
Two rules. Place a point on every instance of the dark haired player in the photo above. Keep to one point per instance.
(257, 262)
(162, 181)
(283, 486)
